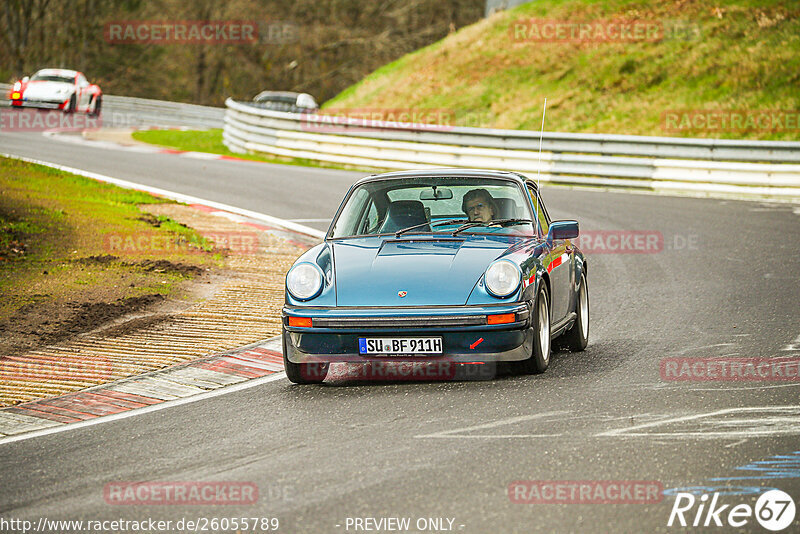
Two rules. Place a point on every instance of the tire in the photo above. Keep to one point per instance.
(577, 337)
(303, 373)
(98, 104)
(539, 359)
(71, 107)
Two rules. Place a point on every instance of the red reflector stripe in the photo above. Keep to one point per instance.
(500, 319)
(300, 321)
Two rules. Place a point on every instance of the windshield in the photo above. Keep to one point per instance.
(438, 205)
(39, 77)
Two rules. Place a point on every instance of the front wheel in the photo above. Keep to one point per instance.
(577, 337)
(303, 373)
(539, 359)
(97, 106)
(71, 106)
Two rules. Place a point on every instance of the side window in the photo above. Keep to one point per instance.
(544, 220)
(371, 220)
(349, 219)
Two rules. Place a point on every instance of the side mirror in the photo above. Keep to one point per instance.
(25, 79)
(562, 230)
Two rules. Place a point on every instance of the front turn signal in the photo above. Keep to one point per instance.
(504, 318)
(303, 322)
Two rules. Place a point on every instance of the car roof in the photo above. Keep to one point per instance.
(447, 173)
(58, 72)
(282, 95)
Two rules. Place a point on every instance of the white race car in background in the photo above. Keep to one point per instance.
(61, 89)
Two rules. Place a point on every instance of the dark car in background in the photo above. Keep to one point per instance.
(286, 101)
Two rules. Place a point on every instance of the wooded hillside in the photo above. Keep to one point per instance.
(315, 46)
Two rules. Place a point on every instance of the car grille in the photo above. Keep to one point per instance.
(40, 104)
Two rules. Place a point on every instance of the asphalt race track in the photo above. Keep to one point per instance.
(723, 283)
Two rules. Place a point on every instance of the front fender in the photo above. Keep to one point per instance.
(320, 255)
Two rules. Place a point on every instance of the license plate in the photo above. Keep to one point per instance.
(400, 345)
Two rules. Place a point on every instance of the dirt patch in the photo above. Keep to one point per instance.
(89, 315)
(103, 259)
(150, 266)
(42, 323)
(150, 219)
(162, 266)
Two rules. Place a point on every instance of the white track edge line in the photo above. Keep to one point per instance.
(180, 197)
(152, 408)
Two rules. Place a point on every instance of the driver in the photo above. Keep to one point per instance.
(479, 205)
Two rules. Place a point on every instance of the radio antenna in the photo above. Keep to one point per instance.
(539, 166)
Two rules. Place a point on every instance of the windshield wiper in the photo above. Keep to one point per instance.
(501, 222)
(440, 223)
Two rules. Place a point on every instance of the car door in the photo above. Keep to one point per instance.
(82, 94)
(557, 263)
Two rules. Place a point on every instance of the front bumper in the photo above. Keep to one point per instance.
(39, 104)
(465, 332)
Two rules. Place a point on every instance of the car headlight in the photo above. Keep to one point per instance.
(17, 86)
(502, 278)
(304, 281)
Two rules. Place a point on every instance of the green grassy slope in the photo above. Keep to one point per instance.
(57, 232)
(726, 56)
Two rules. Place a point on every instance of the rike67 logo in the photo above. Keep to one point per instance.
(774, 510)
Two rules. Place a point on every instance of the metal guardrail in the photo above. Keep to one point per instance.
(130, 112)
(4, 89)
(767, 169)
(709, 166)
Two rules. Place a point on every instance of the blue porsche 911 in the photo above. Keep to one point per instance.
(451, 265)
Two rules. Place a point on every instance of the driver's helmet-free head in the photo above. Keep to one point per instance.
(481, 195)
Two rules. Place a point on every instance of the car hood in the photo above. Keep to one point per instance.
(432, 272)
(47, 90)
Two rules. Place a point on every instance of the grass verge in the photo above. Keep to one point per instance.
(75, 253)
(210, 141)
